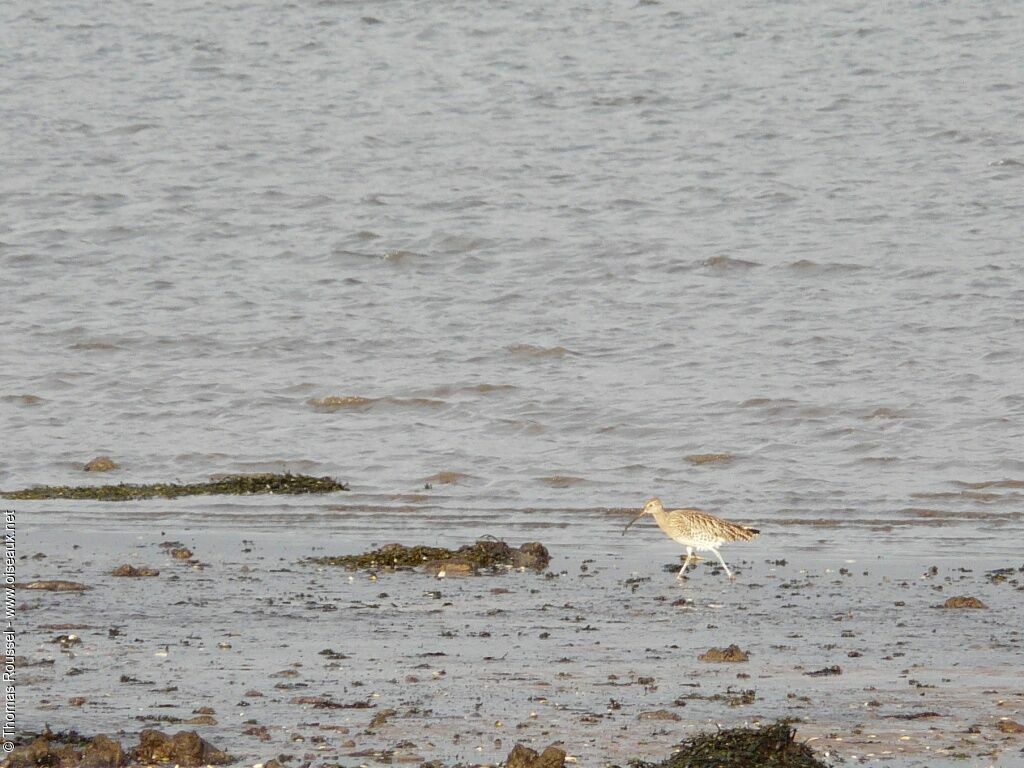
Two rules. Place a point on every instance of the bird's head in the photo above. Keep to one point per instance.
(651, 507)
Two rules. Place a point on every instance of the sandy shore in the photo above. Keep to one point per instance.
(265, 655)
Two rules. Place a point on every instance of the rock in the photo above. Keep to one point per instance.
(533, 555)
(131, 570)
(963, 602)
(381, 718)
(731, 654)
(100, 464)
(522, 756)
(552, 757)
(181, 553)
(102, 752)
(55, 586)
(186, 749)
(1010, 726)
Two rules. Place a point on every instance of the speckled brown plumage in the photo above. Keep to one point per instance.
(696, 530)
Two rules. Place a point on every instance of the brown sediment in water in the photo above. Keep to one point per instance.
(447, 478)
(357, 403)
(233, 485)
(532, 350)
(710, 458)
(484, 554)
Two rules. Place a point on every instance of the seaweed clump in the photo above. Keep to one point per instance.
(772, 746)
(232, 485)
(483, 554)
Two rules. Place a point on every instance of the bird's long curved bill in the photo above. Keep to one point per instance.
(631, 522)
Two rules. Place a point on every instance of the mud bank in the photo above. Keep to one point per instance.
(266, 654)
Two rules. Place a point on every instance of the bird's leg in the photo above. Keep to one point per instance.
(719, 555)
(689, 557)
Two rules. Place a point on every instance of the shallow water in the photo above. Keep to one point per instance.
(508, 267)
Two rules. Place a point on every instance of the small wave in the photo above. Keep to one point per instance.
(336, 403)
(534, 351)
(357, 403)
(96, 345)
(22, 399)
(807, 266)
(728, 263)
(486, 389)
(885, 413)
(944, 495)
(562, 481)
(448, 478)
(990, 484)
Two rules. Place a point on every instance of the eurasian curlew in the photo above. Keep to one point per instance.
(695, 530)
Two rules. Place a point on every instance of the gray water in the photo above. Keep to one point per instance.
(557, 247)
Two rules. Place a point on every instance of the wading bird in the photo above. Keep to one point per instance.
(695, 530)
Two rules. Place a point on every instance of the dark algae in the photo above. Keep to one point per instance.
(483, 554)
(772, 746)
(232, 485)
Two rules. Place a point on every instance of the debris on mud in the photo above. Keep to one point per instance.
(731, 654)
(56, 585)
(963, 602)
(772, 746)
(134, 572)
(658, 714)
(826, 671)
(522, 756)
(185, 749)
(484, 554)
(100, 464)
(234, 485)
(734, 698)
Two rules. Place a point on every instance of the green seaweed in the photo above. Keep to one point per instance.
(233, 485)
(772, 746)
(485, 553)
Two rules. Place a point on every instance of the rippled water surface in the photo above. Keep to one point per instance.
(549, 250)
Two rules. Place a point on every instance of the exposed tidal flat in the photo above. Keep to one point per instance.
(251, 628)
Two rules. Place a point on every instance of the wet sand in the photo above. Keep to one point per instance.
(600, 654)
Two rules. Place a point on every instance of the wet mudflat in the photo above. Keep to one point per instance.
(265, 653)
